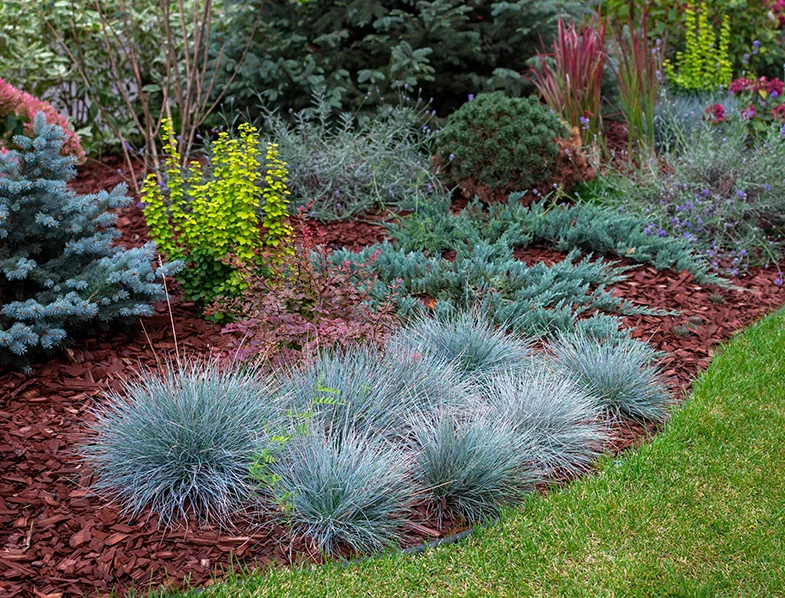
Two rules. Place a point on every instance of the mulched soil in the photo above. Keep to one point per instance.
(56, 539)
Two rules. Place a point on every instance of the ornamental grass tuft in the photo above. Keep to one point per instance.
(468, 340)
(346, 489)
(181, 441)
(620, 375)
(469, 467)
(564, 421)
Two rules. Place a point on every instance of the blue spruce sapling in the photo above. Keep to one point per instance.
(60, 271)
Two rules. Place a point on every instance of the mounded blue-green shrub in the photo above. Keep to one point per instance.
(60, 272)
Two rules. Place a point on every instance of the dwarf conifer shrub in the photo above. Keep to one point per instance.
(182, 441)
(349, 490)
(468, 468)
(500, 142)
(467, 340)
(620, 375)
(60, 272)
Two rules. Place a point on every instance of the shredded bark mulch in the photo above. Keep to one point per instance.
(57, 539)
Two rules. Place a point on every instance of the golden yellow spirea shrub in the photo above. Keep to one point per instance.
(204, 219)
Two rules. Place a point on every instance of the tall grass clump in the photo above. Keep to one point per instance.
(468, 340)
(562, 419)
(181, 441)
(570, 77)
(469, 467)
(348, 490)
(638, 74)
(621, 375)
(339, 168)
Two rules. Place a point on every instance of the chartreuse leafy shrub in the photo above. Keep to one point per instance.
(467, 340)
(339, 168)
(750, 21)
(60, 272)
(705, 64)
(500, 142)
(202, 218)
(364, 50)
(621, 375)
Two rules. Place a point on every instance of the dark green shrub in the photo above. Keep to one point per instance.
(500, 142)
(354, 48)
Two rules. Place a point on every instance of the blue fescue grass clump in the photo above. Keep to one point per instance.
(349, 489)
(469, 466)
(61, 273)
(366, 390)
(342, 449)
(565, 426)
(622, 376)
(467, 340)
(181, 441)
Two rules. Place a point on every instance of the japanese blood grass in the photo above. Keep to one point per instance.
(468, 467)
(564, 421)
(622, 375)
(468, 340)
(348, 489)
(181, 440)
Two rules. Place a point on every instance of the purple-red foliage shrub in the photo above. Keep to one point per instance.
(303, 303)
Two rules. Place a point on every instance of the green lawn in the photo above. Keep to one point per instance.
(700, 511)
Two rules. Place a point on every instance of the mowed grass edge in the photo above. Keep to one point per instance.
(699, 511)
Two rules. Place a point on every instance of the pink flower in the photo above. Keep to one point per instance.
(25, 106)
(742, 84)
(773, 86)
(778, 113)
(714, 113)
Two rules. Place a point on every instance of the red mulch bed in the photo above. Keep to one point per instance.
(56, 539)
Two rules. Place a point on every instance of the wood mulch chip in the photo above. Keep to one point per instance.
(57, 539)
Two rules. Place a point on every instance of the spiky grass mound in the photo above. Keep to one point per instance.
(467, 340)
(371, 392)
(349, 489)
(181, 441)
(468, 467)
(564, 423)
(622, 376)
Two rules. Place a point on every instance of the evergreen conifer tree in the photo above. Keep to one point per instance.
(60, 271)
